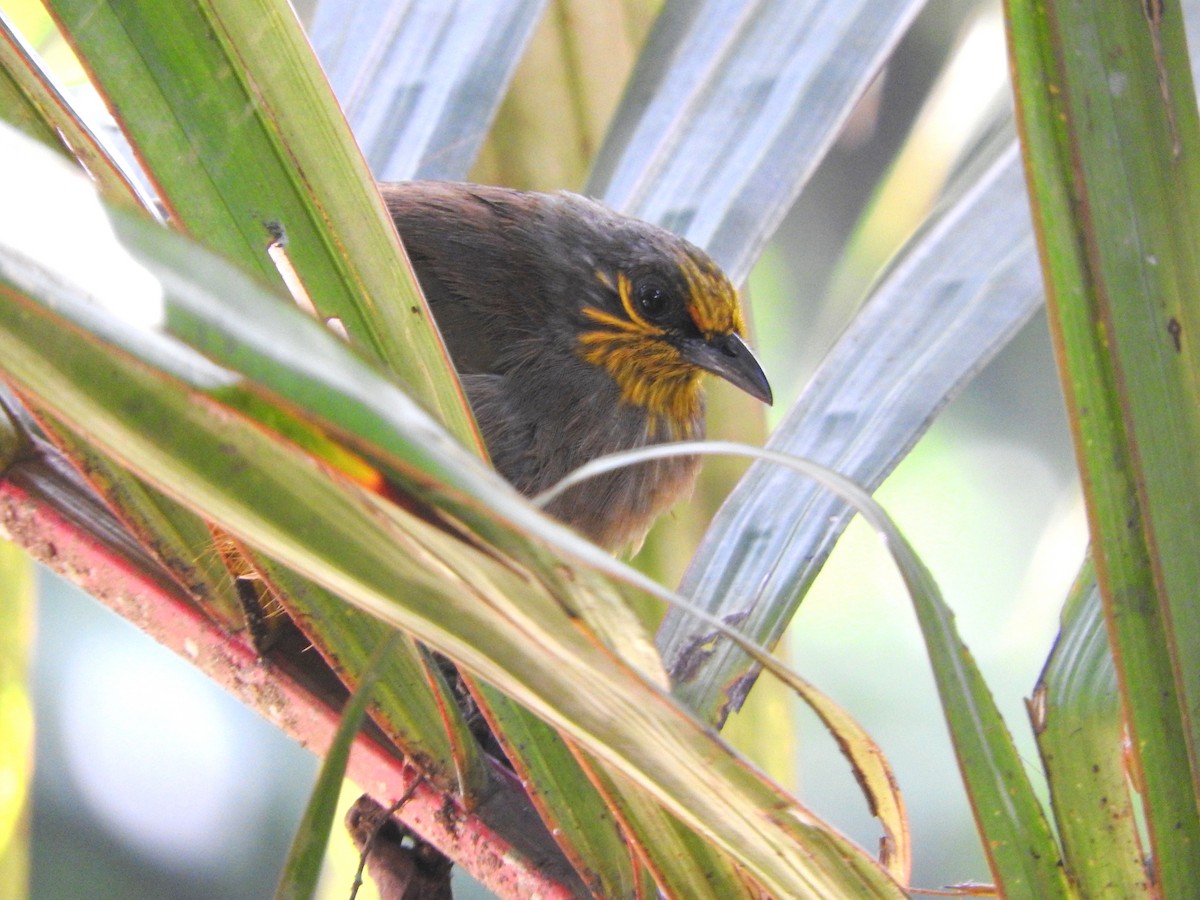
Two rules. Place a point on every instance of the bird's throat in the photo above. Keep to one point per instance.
(651, 376)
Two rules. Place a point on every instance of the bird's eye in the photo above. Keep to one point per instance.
(653, 299)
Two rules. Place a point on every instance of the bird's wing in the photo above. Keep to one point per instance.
(455, 236)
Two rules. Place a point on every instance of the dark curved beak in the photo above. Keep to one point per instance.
(728, 357)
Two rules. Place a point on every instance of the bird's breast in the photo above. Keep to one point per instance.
(539, 429)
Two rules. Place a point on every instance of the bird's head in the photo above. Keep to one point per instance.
(658, 315)
(522, 282)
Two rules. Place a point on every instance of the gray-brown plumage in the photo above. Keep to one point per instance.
(576, 332)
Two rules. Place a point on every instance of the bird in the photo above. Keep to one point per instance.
(576, 331)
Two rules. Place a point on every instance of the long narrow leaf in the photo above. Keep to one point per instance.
(263, 157)
(1110, 130)
(730, 109)
(303, 865)
(1021, 849)
(421, 80)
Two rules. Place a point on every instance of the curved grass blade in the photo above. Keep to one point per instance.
(154, 402)
(303, 865)
(731, 107)
(1076, 713)
(1021, 850)
(871, 768)
(420, 81)
(957, 292)
(1110, 132)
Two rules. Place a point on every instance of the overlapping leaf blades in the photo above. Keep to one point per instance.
(412, 573)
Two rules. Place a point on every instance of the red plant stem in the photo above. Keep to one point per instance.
(164, 613)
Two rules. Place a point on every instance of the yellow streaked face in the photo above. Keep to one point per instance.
(642, 343)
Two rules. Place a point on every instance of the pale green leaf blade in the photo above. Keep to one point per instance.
(227, 108)
(1076, 714)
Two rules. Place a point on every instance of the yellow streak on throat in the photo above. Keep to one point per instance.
(650, 374)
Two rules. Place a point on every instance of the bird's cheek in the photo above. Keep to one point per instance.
(665, 360)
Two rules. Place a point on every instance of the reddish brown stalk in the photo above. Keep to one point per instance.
(162, 611)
